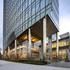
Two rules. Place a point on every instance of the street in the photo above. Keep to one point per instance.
(5, 65)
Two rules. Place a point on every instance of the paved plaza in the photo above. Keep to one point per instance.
(60, 64)
(5, 65)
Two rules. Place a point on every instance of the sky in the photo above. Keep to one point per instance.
(64, 18)
(1, 23)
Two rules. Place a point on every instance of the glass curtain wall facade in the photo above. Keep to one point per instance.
(19, 15)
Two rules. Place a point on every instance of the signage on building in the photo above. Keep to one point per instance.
(65, 35)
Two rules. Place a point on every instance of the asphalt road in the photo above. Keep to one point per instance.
(5, 65)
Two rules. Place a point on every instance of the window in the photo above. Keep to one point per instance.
(37, 7)
(27, 13)
(30, 11)
(29, 2)
(33, 9)
(42, 4)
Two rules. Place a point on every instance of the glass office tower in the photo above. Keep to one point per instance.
(26, 20)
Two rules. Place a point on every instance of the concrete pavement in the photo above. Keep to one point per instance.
(5, 65)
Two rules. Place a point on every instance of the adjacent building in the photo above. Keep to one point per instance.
(28, 28)
(64, 47)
